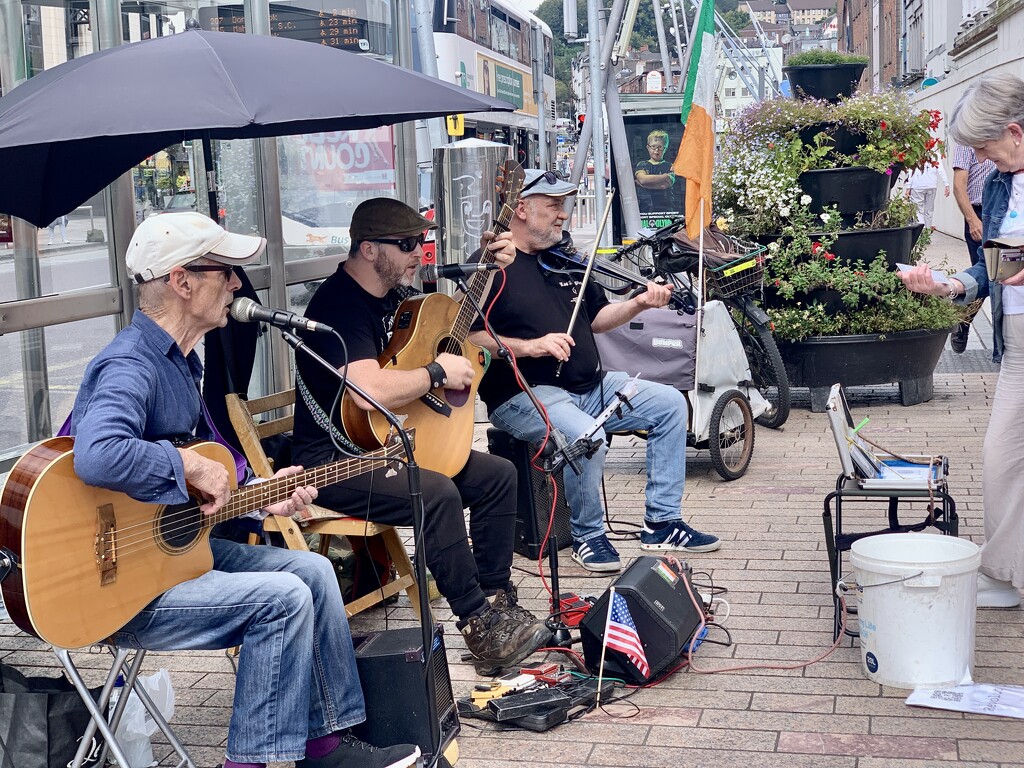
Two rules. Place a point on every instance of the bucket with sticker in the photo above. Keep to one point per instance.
(917, 595)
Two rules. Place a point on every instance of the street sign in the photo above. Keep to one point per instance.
(560, 140)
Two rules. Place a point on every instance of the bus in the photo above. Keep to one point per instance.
(488, 47)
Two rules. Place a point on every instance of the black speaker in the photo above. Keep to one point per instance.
(662, 611)
(533, 507)
(398, 707)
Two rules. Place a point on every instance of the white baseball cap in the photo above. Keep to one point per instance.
(171, 240)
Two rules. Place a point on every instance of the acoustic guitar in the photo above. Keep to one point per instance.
(88, 559)
(425, 326)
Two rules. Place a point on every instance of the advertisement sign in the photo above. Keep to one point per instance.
(348, 161)
(653, 142)
(504, 82)
(6, 232)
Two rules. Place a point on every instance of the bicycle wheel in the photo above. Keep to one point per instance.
(766, 369)
(731, 435)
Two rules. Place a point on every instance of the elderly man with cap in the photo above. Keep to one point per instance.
(531, 316)
(297, 690)
(360, 300)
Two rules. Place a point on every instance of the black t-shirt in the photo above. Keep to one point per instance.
(656, 200)
(365, 323)
(534, 303)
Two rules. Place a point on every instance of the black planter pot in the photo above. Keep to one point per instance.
(853, 190)
(907, 357)
(831, 82)
(842, 140)
(864, 244)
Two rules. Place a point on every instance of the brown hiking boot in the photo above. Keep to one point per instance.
(496, 639)
(507, 602)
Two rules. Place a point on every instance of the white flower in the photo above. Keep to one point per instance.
(825, 217)
(805, 200)
(773, 246)
(784, 211)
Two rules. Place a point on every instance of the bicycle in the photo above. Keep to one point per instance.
(734, 275)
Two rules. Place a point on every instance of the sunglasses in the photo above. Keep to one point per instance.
(549, 176)
(405, 244)
(223, 269)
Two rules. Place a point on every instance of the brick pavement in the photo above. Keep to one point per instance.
(774, 565)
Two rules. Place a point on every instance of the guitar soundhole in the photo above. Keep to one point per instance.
(179, 525)
(455, 397)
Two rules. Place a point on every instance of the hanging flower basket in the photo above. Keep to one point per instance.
(831, 82)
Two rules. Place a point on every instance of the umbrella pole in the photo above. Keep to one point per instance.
(211, 177)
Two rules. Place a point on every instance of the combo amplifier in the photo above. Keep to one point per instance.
(399, 707)
(662, 611)
(533, 507)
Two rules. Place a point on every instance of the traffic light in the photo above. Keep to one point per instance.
(579, 123)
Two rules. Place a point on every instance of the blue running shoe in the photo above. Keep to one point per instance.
(679, 536)
(596, 554)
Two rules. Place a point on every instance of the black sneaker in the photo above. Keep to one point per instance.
(353, 753)
(958, 339)
(496, 639)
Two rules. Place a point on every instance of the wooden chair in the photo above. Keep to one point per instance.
(315, 519)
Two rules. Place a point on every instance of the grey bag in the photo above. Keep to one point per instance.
(659, 344)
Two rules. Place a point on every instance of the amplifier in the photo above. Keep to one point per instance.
(662, 611)
(533, 507)
(399, 707)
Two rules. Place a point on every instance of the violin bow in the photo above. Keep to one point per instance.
(586, 274)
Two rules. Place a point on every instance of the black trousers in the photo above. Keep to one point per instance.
(973, 245)
(487, 485)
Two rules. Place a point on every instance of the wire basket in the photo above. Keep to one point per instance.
(741, 275)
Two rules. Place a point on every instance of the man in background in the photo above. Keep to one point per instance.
(968, 181)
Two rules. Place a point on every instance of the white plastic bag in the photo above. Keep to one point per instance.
(136, 726)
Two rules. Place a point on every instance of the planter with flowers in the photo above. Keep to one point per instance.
(819, 74)
(838, 308)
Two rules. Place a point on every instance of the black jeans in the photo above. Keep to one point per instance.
(972, 245)
(487, 485)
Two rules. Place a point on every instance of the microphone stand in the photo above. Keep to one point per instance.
(416, 497)
(563, 453)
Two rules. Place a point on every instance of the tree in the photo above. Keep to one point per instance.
(736, 19)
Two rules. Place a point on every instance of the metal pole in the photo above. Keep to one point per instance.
(423, 12)
(595, 111)
(666, 60)
(539, 97)
(407, 178)
(678, 84)
(268, 214)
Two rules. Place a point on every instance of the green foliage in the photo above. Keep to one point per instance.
(821, 56)
(736, 19)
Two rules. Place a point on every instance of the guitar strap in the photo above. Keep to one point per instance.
(322, 419)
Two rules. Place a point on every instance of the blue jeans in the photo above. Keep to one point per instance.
(657, 408)
(284, 608)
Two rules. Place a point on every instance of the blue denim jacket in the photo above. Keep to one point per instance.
(994, 202)
(137, 394)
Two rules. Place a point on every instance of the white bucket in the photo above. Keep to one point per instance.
(917, 593)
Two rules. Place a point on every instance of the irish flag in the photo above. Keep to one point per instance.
(696, 154)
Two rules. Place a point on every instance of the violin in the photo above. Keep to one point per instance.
(565, 259)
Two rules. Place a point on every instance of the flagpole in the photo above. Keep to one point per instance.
(604, 644)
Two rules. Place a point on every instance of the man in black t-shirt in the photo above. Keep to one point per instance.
(655, 180)
(531, 316)
(359, 300)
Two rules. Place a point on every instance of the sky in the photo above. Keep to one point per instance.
(526, 5)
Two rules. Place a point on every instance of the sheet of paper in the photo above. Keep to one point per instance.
(980, 698)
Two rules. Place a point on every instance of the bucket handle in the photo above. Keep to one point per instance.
(842, 586)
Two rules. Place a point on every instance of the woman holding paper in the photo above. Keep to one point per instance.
(990, 118)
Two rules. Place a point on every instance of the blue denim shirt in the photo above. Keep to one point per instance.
(138, 394)
(994, 202)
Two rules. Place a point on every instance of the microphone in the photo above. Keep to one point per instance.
(248, 311)
(430, 273)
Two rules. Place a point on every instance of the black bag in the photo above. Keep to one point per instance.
(42, 720)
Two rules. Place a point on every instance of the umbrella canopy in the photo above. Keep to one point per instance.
(70, 131)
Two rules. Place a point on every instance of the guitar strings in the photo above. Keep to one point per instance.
(184, 519)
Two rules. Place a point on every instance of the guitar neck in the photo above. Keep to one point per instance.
(261, 495)
(478, 281)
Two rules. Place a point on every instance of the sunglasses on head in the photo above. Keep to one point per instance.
(549, 176)
(405, 244)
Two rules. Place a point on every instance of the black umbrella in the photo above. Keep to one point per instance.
(71, 130)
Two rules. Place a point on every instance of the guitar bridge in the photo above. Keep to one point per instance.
(106, 546)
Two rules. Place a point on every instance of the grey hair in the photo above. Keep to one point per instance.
(987, 106)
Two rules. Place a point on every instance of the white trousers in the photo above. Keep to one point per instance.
(924, 199)
(1002, 472)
